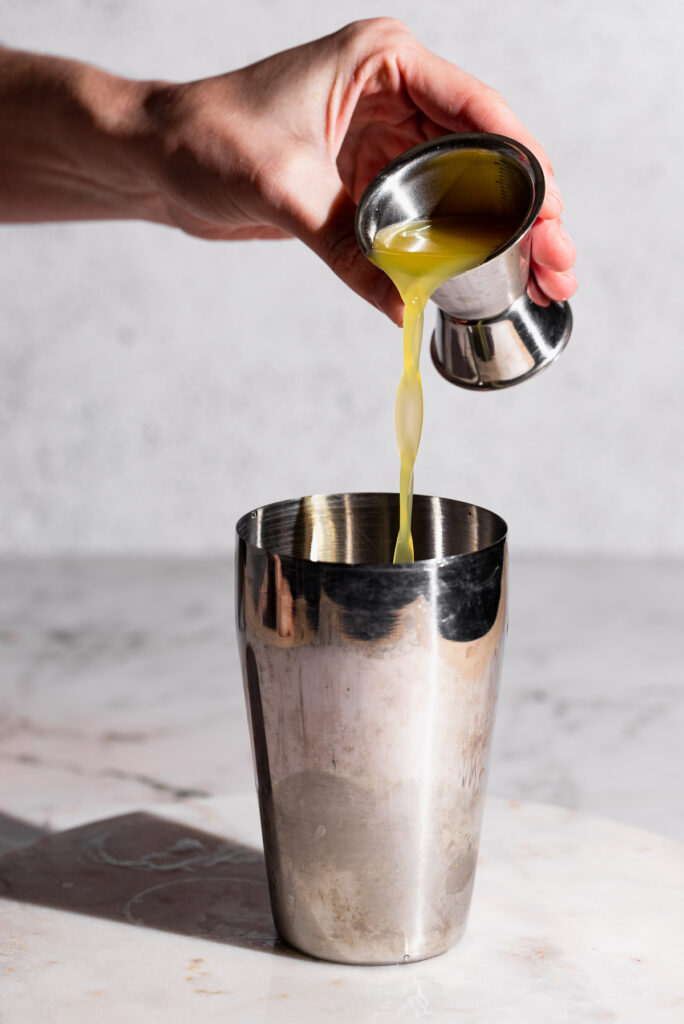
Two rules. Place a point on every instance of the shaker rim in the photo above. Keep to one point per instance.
(244, 523)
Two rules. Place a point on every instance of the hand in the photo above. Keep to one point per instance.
(283, 147)
(286, 147)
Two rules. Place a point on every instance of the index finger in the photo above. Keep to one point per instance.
(459, 102)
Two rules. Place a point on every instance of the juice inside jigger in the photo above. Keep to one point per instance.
(419, 256)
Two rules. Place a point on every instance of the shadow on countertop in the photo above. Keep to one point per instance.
(143, 870)
(14, 832)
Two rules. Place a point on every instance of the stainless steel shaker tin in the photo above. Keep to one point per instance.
(371, 690)
(489, 333)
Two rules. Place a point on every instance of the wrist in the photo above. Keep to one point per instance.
(113, 140)
(195, 145)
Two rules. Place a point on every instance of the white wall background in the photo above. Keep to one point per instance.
(153, 387)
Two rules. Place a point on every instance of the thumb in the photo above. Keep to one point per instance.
(335, 242)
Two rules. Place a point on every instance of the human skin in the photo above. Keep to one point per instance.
(278, 149)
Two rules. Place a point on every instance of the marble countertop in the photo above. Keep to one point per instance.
(162, 915)
(120, 692)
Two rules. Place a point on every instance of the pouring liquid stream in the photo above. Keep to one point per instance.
(419, 256)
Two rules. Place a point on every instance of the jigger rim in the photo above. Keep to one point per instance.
(245, 526)
(424, 151)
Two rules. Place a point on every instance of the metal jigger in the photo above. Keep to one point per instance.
(489, 333)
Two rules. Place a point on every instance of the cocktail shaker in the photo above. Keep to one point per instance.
(371, 690)
(489, 333)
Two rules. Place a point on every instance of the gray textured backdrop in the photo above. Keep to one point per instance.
(153, 387)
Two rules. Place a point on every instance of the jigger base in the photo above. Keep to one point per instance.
(487, 355)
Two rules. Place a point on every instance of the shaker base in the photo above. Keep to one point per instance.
(371, 960)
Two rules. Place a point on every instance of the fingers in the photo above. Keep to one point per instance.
(450, 99)
(555, 285)
(535, 292)
(335, 242)
(552, 246)
(553, 256)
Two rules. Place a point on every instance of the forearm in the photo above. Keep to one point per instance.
(74, 143)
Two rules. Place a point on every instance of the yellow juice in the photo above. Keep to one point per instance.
(419, 256)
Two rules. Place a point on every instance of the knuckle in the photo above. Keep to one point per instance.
(343, 256)
(374, 31)
(492, 98)
(393, 25)
(487, 109)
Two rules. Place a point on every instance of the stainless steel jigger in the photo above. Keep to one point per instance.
(489, 333)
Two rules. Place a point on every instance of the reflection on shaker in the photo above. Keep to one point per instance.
(371, 719)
